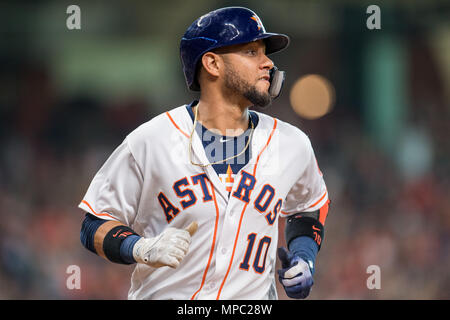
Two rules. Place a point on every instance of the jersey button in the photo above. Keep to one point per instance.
(224, 250)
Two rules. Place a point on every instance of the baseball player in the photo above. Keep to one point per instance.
(193, 196)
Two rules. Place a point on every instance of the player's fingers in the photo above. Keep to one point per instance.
(181, 245)
(170, 261)
(177, 253)
(192, 228)
(298, 293)
(300, 267)
(293, 281)
(181, 237)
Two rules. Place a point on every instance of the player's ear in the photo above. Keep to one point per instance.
(211, 63)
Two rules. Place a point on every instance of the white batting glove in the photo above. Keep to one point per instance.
(295, 275)
(167, 249)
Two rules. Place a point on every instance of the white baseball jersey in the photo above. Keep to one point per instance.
(149, 183)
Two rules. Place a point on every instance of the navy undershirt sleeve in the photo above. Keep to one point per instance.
(306, 248)
(126, 248)
(88, 228)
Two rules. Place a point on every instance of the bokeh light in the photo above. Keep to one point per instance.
(312, 96)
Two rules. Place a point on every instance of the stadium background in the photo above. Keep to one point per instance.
(69, 97)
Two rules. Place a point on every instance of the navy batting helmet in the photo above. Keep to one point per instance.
(219, 28)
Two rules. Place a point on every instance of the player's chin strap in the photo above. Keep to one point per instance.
(276, 82)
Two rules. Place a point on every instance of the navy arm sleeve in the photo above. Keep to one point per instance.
(88, 228)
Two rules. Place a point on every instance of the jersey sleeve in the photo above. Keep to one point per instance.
(116, 188)
(309, 193)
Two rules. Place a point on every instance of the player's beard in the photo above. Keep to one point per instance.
(236, 84)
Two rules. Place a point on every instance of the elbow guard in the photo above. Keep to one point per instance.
(113, 241)
(309, 224)
(299, 225)
(116, 243)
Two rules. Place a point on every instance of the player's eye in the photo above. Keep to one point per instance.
(251, 52)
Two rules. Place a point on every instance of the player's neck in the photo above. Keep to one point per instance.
(229, 119)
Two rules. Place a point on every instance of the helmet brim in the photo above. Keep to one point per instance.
(275, 42)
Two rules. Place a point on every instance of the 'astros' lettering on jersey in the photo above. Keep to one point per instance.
(149, 183)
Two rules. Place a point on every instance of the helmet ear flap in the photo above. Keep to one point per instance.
(195, 86)
(276, 82)
(191, 50)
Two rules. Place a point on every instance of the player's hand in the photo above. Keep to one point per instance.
(167, 249)
(295, 275)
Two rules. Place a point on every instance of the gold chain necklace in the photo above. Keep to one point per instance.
(221, 161)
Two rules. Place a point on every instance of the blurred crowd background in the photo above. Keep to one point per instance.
(69, 97)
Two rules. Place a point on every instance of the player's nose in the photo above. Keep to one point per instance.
(266, 63)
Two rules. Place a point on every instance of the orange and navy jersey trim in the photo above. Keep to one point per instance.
(318, 201)
(284, 213)
(175, 124)
(98, 214)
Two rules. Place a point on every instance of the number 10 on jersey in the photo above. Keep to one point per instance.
(259, 260)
